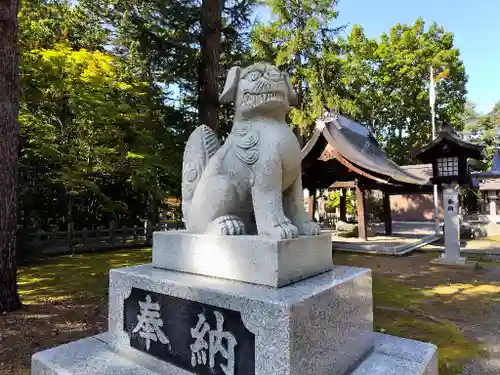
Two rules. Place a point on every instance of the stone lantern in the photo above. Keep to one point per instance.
(489, 185)
(449, 157)
(492, 196)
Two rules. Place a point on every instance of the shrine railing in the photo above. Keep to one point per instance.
(80, 241)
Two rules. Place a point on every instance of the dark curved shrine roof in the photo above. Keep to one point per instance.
(489, 180)
(354, 147)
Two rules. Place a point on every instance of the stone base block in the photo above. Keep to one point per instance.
(253, 259)
(319, 326)
(398, 356)
(90, 356)
(461, 262)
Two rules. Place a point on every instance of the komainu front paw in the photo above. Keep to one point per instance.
(284, 229)
(228, 225)
(309, 228)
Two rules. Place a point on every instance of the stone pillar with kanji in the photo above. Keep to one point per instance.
(451, 225)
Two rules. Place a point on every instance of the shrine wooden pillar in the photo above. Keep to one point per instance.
(315, 204)
(343, 205)
(310, 212)
(387, 213)
(311, 203)
(362, 220)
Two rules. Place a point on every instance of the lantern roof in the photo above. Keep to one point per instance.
(448, 143)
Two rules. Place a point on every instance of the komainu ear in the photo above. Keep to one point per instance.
(229, 93)
(292, 95)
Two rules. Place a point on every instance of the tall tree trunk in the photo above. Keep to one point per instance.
(153, 209)
(9, 143)
(300, 97)
(300, 82)
(210, 46)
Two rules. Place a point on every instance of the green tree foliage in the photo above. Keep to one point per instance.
(333, 201)
(374, 205)
(109, 96)
(296, 41)
(470, 115)
(382, 83)
(85, 125)
(44, 23)
(95, 141)
(392, 74)
(110, 92)
(484, 130)
(162, 43)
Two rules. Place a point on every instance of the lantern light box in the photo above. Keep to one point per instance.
(448, 155)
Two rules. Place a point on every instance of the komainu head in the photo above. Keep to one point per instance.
(258, 89)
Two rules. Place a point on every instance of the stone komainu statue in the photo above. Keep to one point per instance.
(252, 183)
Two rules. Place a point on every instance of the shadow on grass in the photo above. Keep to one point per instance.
(453, 348)
(37, 327)
(74, 277)
(414, 313)
(64, 299)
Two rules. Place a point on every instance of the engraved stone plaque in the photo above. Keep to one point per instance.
(203, 339)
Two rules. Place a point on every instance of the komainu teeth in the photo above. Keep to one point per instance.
(246, 100)
(254, 100)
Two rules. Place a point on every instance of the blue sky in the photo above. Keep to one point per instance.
(475, 24)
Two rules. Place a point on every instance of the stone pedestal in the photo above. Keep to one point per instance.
(278, 331)
(252, 259)
(493, 206)
(178, 323)
(451, 256)
(451, 223)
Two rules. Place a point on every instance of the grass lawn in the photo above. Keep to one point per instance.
(417, 300)
(65, 298)
(495, 238)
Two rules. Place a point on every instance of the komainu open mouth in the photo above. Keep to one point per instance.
(253, 100)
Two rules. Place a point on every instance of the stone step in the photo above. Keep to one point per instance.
(383, 364)
(92, 356)
(89, 356)
(398, 356)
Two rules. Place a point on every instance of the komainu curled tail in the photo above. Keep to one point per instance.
(202, 144)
